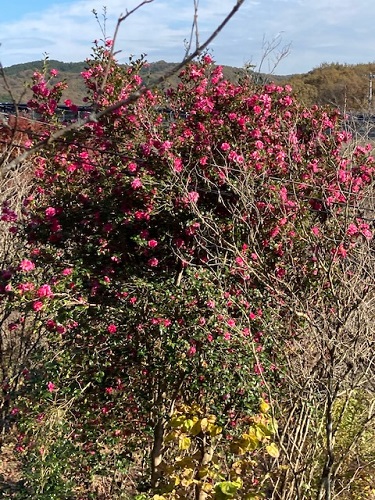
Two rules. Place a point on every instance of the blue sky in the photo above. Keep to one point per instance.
(318, 31)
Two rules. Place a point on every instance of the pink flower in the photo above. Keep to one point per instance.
(51, 387)
(210, 304)
(152, 243)
(340, 251)
(240, 261)
(112, 328)
(37, 305)
(352, 230)
(136, 183)
(225, 146)
(25, 287)
(191, 351)
(50, 212)
(177, 165)
(132, 167)
(44, 291)
(53, 72)
(26, 265)
(153, 262)
(67, 271)
(193, 196)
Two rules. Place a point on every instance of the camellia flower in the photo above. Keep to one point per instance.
(50, 212)
(45, 291)
(136, 183)
(26, 265)
(51, 387)
(37, 305)
(112, 328)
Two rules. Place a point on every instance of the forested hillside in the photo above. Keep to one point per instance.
(344, 86)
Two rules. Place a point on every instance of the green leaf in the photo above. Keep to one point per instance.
(227, 489)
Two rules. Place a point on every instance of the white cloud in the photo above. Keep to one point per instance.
(320, 31)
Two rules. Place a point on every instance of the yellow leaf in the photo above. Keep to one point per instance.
(188, 473)
(184, 443)
(207, 487)
(204, 424)
(273, 450)
(186, 482)
(264, 407)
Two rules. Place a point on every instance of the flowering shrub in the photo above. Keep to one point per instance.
(165, 255)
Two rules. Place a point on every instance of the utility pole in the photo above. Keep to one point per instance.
(371, 76)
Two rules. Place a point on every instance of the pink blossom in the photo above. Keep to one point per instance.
(153, 262)
(365, 230)
(240, 261)
(193, 196)
(25, 287)
(191, 351)
(177, 165)
(45, 291)
(67, 271)
(26, 265)
(136, 183)
(340, 251)
(37, 305)
(352, 230)
(274, 232)
(51, 387)
(225, 146)
(50, 212)
(112, 328)
(132, 167)
(210, 304)
(152, 243)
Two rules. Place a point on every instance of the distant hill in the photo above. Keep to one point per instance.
(19, 75)
(340, 85)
